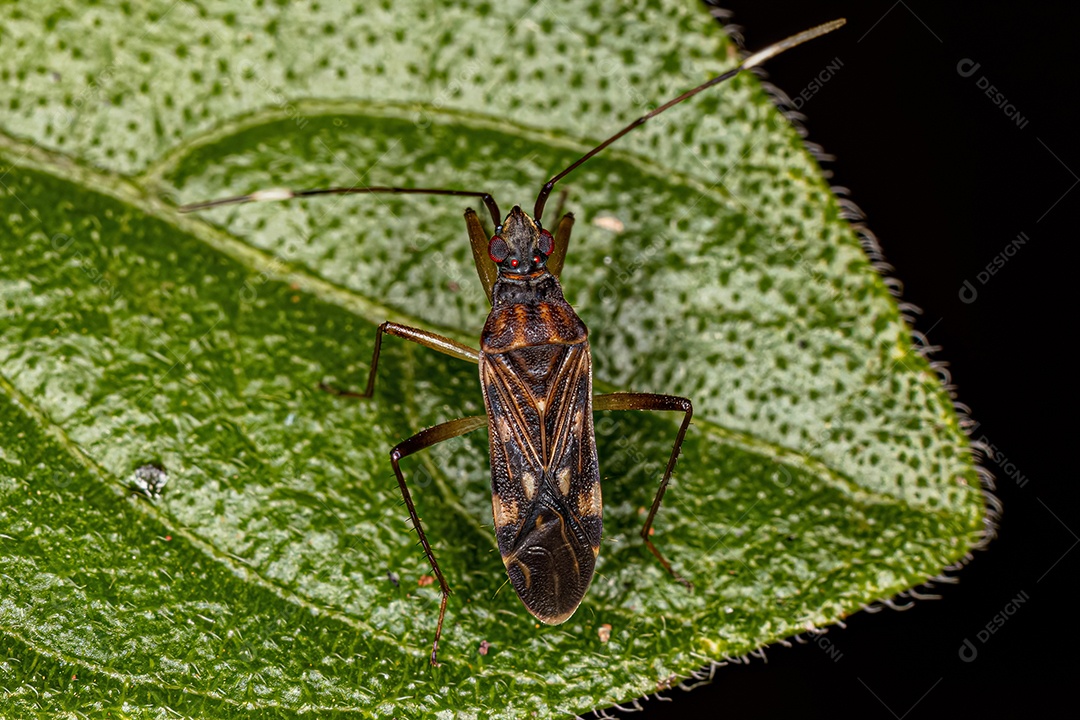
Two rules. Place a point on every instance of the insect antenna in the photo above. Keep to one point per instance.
(752, 61)
(272, 194)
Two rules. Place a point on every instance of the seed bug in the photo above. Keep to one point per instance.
(536, 378)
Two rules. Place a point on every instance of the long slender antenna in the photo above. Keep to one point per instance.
(286, 194)
(752, 61)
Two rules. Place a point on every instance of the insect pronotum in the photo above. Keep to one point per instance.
(536, 377)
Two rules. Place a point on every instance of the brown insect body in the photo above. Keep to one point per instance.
(536, 376)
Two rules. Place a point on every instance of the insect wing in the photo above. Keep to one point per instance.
(544, 474)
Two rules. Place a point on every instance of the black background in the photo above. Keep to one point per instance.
(947, 181)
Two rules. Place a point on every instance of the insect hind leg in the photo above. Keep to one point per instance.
(651, 401)
(419, 441)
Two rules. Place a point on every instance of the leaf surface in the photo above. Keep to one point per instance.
(278, 575)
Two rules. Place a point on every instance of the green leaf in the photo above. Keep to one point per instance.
(277, 575)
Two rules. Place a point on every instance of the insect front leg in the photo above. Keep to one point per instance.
(419, 441)
(650, 401)
(428, 339)
(562, 241)
(479, 240)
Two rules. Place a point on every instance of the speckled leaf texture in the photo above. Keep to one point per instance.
(277, 575)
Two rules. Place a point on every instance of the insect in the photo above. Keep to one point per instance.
(536, 377)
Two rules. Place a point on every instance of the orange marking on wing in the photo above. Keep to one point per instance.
(528, 484)
(564, 481)
(504, 512)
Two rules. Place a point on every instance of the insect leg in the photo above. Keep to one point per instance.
(428, 339)
(419, 441)
(650, 401)
(480, 241)
(562, 240)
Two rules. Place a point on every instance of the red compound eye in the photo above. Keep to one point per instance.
(547, 243)
(498, 249)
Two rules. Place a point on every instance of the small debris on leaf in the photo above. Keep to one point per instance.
(604, 631)
(609, 222)
(150, 480)
(425, 580)
(484, 645)
(392, 577)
